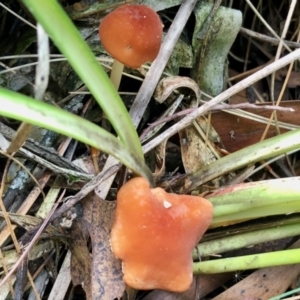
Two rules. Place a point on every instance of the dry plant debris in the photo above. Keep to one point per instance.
(77, 241)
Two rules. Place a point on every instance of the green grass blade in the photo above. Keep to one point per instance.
(66, 37)
(271, 147)
(248, 262)
(23, 108)
(245, 239)
(256, 199)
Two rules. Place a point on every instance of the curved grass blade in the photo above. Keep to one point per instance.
(68, 40)
(271, 147)
(23, 108)
(255, 199)
(248, 262)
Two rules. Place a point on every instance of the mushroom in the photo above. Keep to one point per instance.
(154, 234)
(132, 35)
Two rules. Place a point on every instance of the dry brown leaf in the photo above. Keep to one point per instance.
(81, 260)
(99, 273)
(237, 132)
(160, 157)
(169, 84)
(196, 152)
(107, 282)
(263, 283)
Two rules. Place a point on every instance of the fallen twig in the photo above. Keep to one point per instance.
(216, 107)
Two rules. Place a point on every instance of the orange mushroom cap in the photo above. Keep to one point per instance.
(154, 234)
(132, 34)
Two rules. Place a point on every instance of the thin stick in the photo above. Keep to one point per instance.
(216, 107)
(222, 97)
(268, 39)
(144, 95)
(266, 24)
(18, 16)
(33, 241)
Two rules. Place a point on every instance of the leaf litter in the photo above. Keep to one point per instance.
(93, 265)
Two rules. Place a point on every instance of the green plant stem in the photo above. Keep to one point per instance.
(284, 295)
(67, 38)
(21, 107)
(265, 190)
(271, 147)
(248, 262)
(247, 201)
(257, 212)
(253, 200)
(241, 240)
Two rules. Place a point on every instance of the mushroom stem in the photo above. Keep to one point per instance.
(115, 78)
(116, 73)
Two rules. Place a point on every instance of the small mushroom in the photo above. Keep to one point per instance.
(154, 240)
(132, 35)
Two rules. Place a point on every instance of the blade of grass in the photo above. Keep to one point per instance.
(264, 191)
(21, 107)
(68, 40)
(221, 97)
(248, 201)
(248, 262)
(282, 207)
(289, 293)
(263, 150)
(253, 200)
(242, 240)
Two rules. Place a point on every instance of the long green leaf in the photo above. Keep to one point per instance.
(271, 147)
(21, 107)
(245, 239)
(248, 201)
(66, 37)
(256, 199)
(248, 262)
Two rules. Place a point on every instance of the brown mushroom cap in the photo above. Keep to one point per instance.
(132, 34)
(154, 234)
